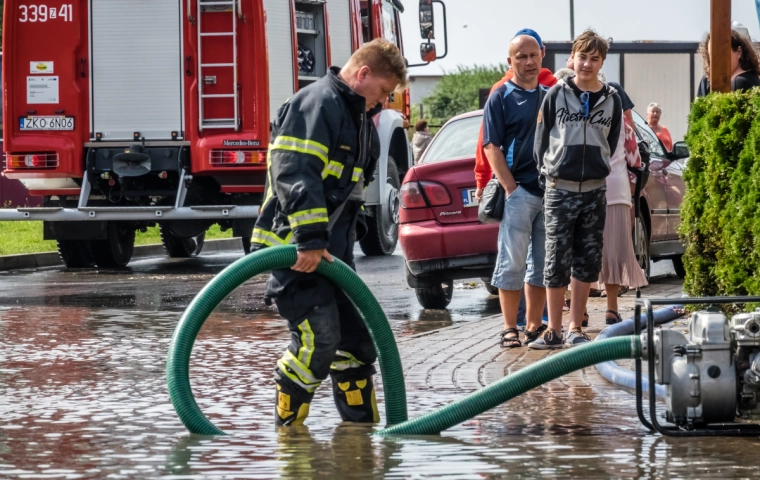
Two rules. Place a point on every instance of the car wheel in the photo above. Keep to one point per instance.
(116, 250)
(437, 296)
(641, 246)
(678, 266)
(490, 288)
(181, 247)
(382, 228)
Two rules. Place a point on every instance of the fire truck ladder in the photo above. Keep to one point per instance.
(206, 123)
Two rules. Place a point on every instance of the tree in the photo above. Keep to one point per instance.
(457, 92)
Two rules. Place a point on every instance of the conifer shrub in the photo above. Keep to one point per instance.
(720, 214)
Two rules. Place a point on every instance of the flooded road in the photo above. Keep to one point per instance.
(83, 395)
(165, 285)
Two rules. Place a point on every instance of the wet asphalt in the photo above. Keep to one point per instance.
(168, 285)
(83, 395)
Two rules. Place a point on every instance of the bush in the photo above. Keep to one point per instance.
(720, 215)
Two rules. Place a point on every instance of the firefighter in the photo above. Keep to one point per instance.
(323, 152)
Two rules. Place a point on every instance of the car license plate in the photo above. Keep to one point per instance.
(468, 198)
(46, 123)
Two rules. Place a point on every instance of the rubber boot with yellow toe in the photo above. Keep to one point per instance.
(292, 406)
(354, 395)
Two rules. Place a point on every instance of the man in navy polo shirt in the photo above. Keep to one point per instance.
(509, 122)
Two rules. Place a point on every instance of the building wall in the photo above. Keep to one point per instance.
(663, 78)
(422, 87)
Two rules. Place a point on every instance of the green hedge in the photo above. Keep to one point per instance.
(720, 215)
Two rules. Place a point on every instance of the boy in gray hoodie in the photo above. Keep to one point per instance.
(578, 128)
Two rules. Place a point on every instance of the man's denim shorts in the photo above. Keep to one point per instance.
(522, 242)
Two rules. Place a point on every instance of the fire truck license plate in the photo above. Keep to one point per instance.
(47, 123)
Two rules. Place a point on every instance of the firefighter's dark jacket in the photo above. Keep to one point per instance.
(323, 140)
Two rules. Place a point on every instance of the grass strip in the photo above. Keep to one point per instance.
(26, 237)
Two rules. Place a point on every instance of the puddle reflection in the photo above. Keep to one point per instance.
(83, 395)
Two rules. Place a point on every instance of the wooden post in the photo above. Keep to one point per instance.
(720, 45)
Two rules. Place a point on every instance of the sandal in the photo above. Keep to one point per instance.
(532, 336)
(612, 321)
(512, 341)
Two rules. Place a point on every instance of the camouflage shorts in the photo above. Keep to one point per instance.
(574, 235)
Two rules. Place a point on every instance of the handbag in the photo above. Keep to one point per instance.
(491, 208)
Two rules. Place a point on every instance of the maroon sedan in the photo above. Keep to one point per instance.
(442, 239)
(439, 231)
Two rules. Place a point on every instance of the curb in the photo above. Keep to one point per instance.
(51, 259)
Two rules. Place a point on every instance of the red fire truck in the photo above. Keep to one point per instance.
(124, 114)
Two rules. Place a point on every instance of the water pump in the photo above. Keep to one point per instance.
(711, 375)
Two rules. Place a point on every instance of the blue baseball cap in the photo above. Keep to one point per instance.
(531, 33)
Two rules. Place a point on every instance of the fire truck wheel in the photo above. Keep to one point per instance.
(181, 247)
(76, 253)
(116, 250)
(382, 228)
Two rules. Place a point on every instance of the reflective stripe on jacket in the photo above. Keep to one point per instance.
(323, 140)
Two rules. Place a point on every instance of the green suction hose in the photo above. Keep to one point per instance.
(180, 348)
(518, 383)
(178, 362)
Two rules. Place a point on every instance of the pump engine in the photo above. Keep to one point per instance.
(713, 374)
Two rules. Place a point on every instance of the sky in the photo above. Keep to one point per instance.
(479, 30)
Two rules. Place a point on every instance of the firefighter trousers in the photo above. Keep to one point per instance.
(327, 337)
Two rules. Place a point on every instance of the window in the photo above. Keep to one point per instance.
(459, 139)
(390, 29)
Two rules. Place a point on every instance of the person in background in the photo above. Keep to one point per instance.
(653, 119)
(578, 131)
(619, 265)
(745, 64)
(596, 288)
(483, 172)
(509, 125)
(421, 139)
